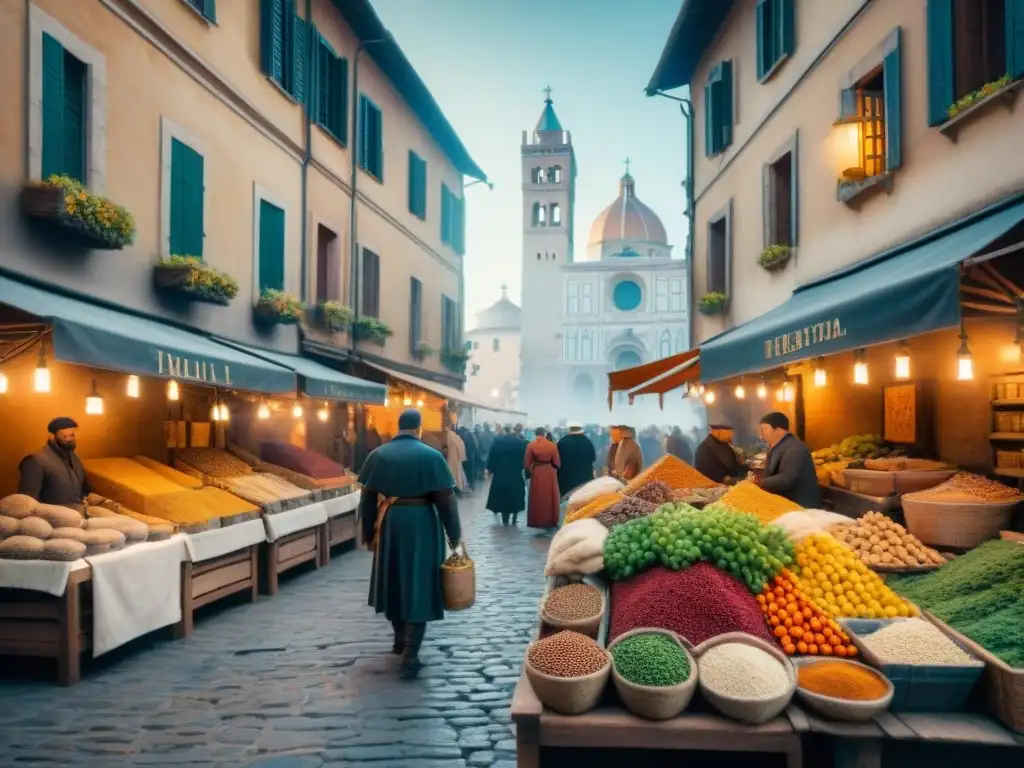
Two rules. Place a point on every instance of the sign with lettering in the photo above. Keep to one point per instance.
(803, 339)
(205, 371)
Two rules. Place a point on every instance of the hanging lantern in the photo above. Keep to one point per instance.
(215, 411)
(860, 367)
(41, 375)
(407, 401)
(762, 390)
(324, 413)
(820, 375)
(297, 411)
(172, 390)
(3, 383)
(132, 388)
(740, 392)
(709, 396)
(964, 361)
(225, 414)
(419, 403)
(94, 403)
(263, 412)
(788, 393)
(903, 361)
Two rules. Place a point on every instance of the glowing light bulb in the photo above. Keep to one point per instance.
(419, 403)
(762, 391)
(215, 412)
(788, 393)
(323, 414)
(903, 362)
(964, 368)
(263, 412)
(172, 390)
(407, 402)
(3, 383)
(820, 376)
(495, 392)
(860, 372)
(133, 386)
(94, 403)
(225, 414)
(740, 392)
(41, 375)
(297, 411)
(709, 396)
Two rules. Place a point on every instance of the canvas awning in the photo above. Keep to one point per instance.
(904, 292)
(630, 378)
(100, 336)
(441, 390)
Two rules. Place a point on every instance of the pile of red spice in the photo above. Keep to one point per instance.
(698, 603)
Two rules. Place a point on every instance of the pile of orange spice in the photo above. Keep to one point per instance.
(593, 508)
(798, 624)
(841, 681)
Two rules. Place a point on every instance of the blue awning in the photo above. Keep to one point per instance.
(894, 296)
(320, 381)
(103, 337)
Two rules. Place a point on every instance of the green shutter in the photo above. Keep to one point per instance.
(787, 26)
(413, 183)
(709, 123)
(459, 225)
(53, 107)
(377, 137)
(272, 39)
(761, 39)
(893, 108)
(210, 9)
(415, 311)
(320, 87)
(446, 214)
(1015, 38)
(298, 59)
(339, 98)
(725, 103)
(73, 124)
(187, 193)
(271, 247)
(940, 60)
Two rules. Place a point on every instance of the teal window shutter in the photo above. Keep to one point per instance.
(371, 138)
(271, 247)
(459, 225)
(321, 87)
(272, 39)
(446, 215)
(187, 195)
(775, 33)
(339, 99)
(787, 27)
(940, 60)
(74, 120)
(298, 59)
(725, 100)
(53, 107)
(709, 123)
(893, 108)
(1015, 38)
(765, 38)
(206, 7)
(415, 313)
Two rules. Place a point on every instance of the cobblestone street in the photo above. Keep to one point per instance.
(305, 679)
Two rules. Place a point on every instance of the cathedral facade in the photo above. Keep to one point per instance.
(623, 304)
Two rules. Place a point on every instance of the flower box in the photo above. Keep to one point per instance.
(713, 303)
(775, 257)
(190, 277)
(277, 308)
(422, 350)
(333, 316)
(455, 360)
(65, 204)
(371, 329)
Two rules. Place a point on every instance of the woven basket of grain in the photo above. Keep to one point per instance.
(962, 525)
(458, 580)
(655, 702)
(568, 695)
(754, 711)
(844, 709)
(587, 626)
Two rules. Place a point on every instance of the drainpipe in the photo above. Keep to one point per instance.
(308, 153)
(686, 108)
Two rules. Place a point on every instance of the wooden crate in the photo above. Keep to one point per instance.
(289, 551)
(340, 530)
(212, 580)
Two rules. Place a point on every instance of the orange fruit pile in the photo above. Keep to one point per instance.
(798, 624)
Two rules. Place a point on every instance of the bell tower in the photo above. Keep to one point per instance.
(549, 200)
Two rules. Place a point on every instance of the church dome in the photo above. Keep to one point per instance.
(502, 315)
(627, 219)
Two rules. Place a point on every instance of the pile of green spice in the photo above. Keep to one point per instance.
(979, 595)
(651, 659)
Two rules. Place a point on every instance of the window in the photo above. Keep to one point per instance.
(495, 344)
(371, 285)
(453, 220)
(718, 112)
(207, 8)
(780, 205)
(971, 43)
(586, 347)
(587, 298)
(556, 174)
(449, 325)
(271, 247)
(675, 295)
(328, 265)
(64, 112)
(537, 176)
(417, 185)
(719, 264)
(570, 343)
(627, 295)
(539, 215)
(415, 313)
(186, 201)
(371, 138)
(572, 300)
(665, 347)
(776, 35)
(556, 215)
(661, 294)
(283, 45)
(331, 108)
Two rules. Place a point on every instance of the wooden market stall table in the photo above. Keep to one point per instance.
(60, 610)
(341, 523)
(293, 538)
(844, 502)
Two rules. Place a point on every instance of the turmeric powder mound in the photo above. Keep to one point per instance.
(594, 508)
(842, 681)
(674, 472)
(748, 497)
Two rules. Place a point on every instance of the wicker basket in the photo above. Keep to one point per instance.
(655, 703)
(755, 711)
(913, 480)
(844, 709)
(870, 482)
(568, 695)
(953, 524)
(458, 583)
(587, 626)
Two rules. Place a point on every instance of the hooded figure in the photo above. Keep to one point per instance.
(507, 495)
(578, 456)
(54, 474)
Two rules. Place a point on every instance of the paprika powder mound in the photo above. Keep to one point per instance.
(841, 680)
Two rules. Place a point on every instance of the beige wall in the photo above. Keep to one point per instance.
(939, 180)
(497, 369)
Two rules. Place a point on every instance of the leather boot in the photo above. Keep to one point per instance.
(399, 643)
(411, 664)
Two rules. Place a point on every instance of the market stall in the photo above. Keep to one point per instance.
(751, 623)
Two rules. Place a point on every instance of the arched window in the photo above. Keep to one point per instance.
(665, 348)
(539, 215)
(583, 387)
(555, 173)
(586, 347)
(680, 342)
(537, 175)
(556, 215)
(571, 350)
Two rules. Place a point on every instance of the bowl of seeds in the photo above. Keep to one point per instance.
(653, 672)
(744, 677)
(568, 671)
(577, 606)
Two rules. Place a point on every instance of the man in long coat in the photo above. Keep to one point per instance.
(629, 459)
(578, 456)
(541, 463)
(406, 509)
(507, 495)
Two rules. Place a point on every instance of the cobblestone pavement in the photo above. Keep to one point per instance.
(303, 679)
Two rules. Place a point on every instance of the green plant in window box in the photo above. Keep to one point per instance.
(775, 256)
(455, 359)
(335, 316)
(422, 350)
(372, 329)
(188, 275)
(974, 97)
(712, 303)
(277, 308)
(68, 205)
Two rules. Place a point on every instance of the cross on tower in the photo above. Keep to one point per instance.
(628, 161)
(547, 93)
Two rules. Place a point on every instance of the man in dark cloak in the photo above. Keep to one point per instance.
(578, 456)
(507, 495)
(54, 474)
(406, 509)
(472, 454)
(716, 459)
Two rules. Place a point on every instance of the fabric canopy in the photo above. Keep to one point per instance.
(893, 296)
(102, 337)
(684, 374)
(318, 380)
(628, 378)
(441, 390)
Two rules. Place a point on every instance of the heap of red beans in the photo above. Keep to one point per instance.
(698, 603)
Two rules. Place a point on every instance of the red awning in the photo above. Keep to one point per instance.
(672, 380)
(628, 378)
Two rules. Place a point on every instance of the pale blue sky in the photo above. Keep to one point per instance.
(486, 62)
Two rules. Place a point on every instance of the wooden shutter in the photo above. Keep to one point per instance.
(459, 224)
(321, 87)
(271, 247)
(725, 103)
(767, 206)
(893, 108)
(210, 9)
(377, 146)
(709, 122)
(364, 108)
(1015, 38)
(53, 107)
(74, 120)
(415, 312)
(446, 214)
(371, 284)
(794, 191)
(414, 175)
(186, 215)
(940, 60)
(787, 26)
(761, 39)
(298, 59)
(272, 39)
(339, 98)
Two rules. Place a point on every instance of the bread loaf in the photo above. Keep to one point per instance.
(36, 527)
(59, 517)
(8, 526)
(64, 550)
(105, 540)
(17, 505)
(21, 548)
(160, 532)
(74, 534)
(133, 530)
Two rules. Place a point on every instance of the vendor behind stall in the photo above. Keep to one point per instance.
(54, 474)
(789, 467)
(716, 458)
